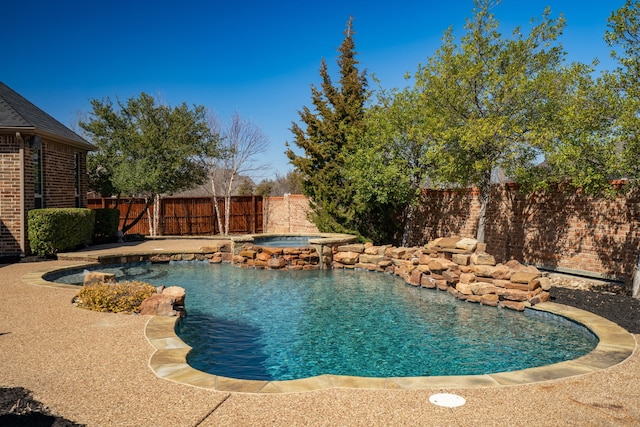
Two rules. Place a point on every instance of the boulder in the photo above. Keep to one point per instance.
(272, 251)
(251, 254)
(541, 297)
(512, 305)
(461, 259)
(524, 277)
(415, 277)
(502, 272)
(513, 294)
(92, 277)
(451, 276)
(484, 270)
(159, 305)
(177, 293)
(436, 264)
(490, 300)
(277, 263)
(371, 259)
(545, 283)
(482, 258)
(447, 242)
(467, 244)
(464, 288)
(427, 282)
(347, 257)
(423, 268)
(354, 247)
(442, 285)
(467, 278)
(263, 256)
(160, 259)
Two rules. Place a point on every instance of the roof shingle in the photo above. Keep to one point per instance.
(17, 112)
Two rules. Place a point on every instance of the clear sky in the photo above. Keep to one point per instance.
(256, 58)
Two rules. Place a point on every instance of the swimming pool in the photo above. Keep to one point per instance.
(271, 325)
(283, 241)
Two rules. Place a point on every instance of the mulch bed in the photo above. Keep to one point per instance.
(615, 304)
(18, 408)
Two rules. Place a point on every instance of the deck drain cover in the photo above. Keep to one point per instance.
(447, 400)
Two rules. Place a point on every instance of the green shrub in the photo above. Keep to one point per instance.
(105, 229)
(121, 297)
(59, 229)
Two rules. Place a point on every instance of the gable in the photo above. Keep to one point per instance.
(16, 113)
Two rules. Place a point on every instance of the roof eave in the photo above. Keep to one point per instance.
(30, 130)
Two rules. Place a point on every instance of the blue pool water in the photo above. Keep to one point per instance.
(283, 241)
(280, 325)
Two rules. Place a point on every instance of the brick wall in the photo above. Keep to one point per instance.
(59, 176)
(287, 214)
(10, 218)
(566, 231)
(59, 185)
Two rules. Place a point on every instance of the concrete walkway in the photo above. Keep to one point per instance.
(93, 368)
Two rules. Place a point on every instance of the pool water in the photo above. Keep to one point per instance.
(283, 241)
(282, 325)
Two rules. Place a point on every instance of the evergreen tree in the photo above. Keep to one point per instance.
(325, 136)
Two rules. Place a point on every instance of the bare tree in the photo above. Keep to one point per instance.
(242, 141)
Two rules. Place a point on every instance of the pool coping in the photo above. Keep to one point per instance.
(169, 360)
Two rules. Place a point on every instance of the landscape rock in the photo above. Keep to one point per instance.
(159, 305)
(92, 277)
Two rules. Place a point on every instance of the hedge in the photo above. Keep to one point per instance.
(106, 225)
(59, 229)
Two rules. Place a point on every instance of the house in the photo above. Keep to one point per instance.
(42, 164)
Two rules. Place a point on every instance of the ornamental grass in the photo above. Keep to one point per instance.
(121, 297)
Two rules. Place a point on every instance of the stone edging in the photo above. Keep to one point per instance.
(615, 345)
(169, 358)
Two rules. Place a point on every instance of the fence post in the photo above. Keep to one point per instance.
(254, 216)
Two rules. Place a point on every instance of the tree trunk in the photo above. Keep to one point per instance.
(408, 222)
(126, 227)
(636, 280)
(227, 203)
(485, 190)
(215, 205)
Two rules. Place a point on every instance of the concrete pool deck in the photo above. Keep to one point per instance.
(100, 369)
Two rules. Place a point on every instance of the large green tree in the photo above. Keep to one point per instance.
(388, 167)
(324, 135)
(145, 149)
(624, 36)
(492, 99)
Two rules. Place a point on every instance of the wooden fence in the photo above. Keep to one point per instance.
(190, 216)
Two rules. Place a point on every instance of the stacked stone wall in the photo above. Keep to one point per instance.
(460, 266)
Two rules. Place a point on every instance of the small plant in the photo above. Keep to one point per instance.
(121, 297)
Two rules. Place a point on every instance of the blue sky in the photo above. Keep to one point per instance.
(256, 58)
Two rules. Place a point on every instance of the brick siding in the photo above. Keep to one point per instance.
(59, 185)
(10, 220)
